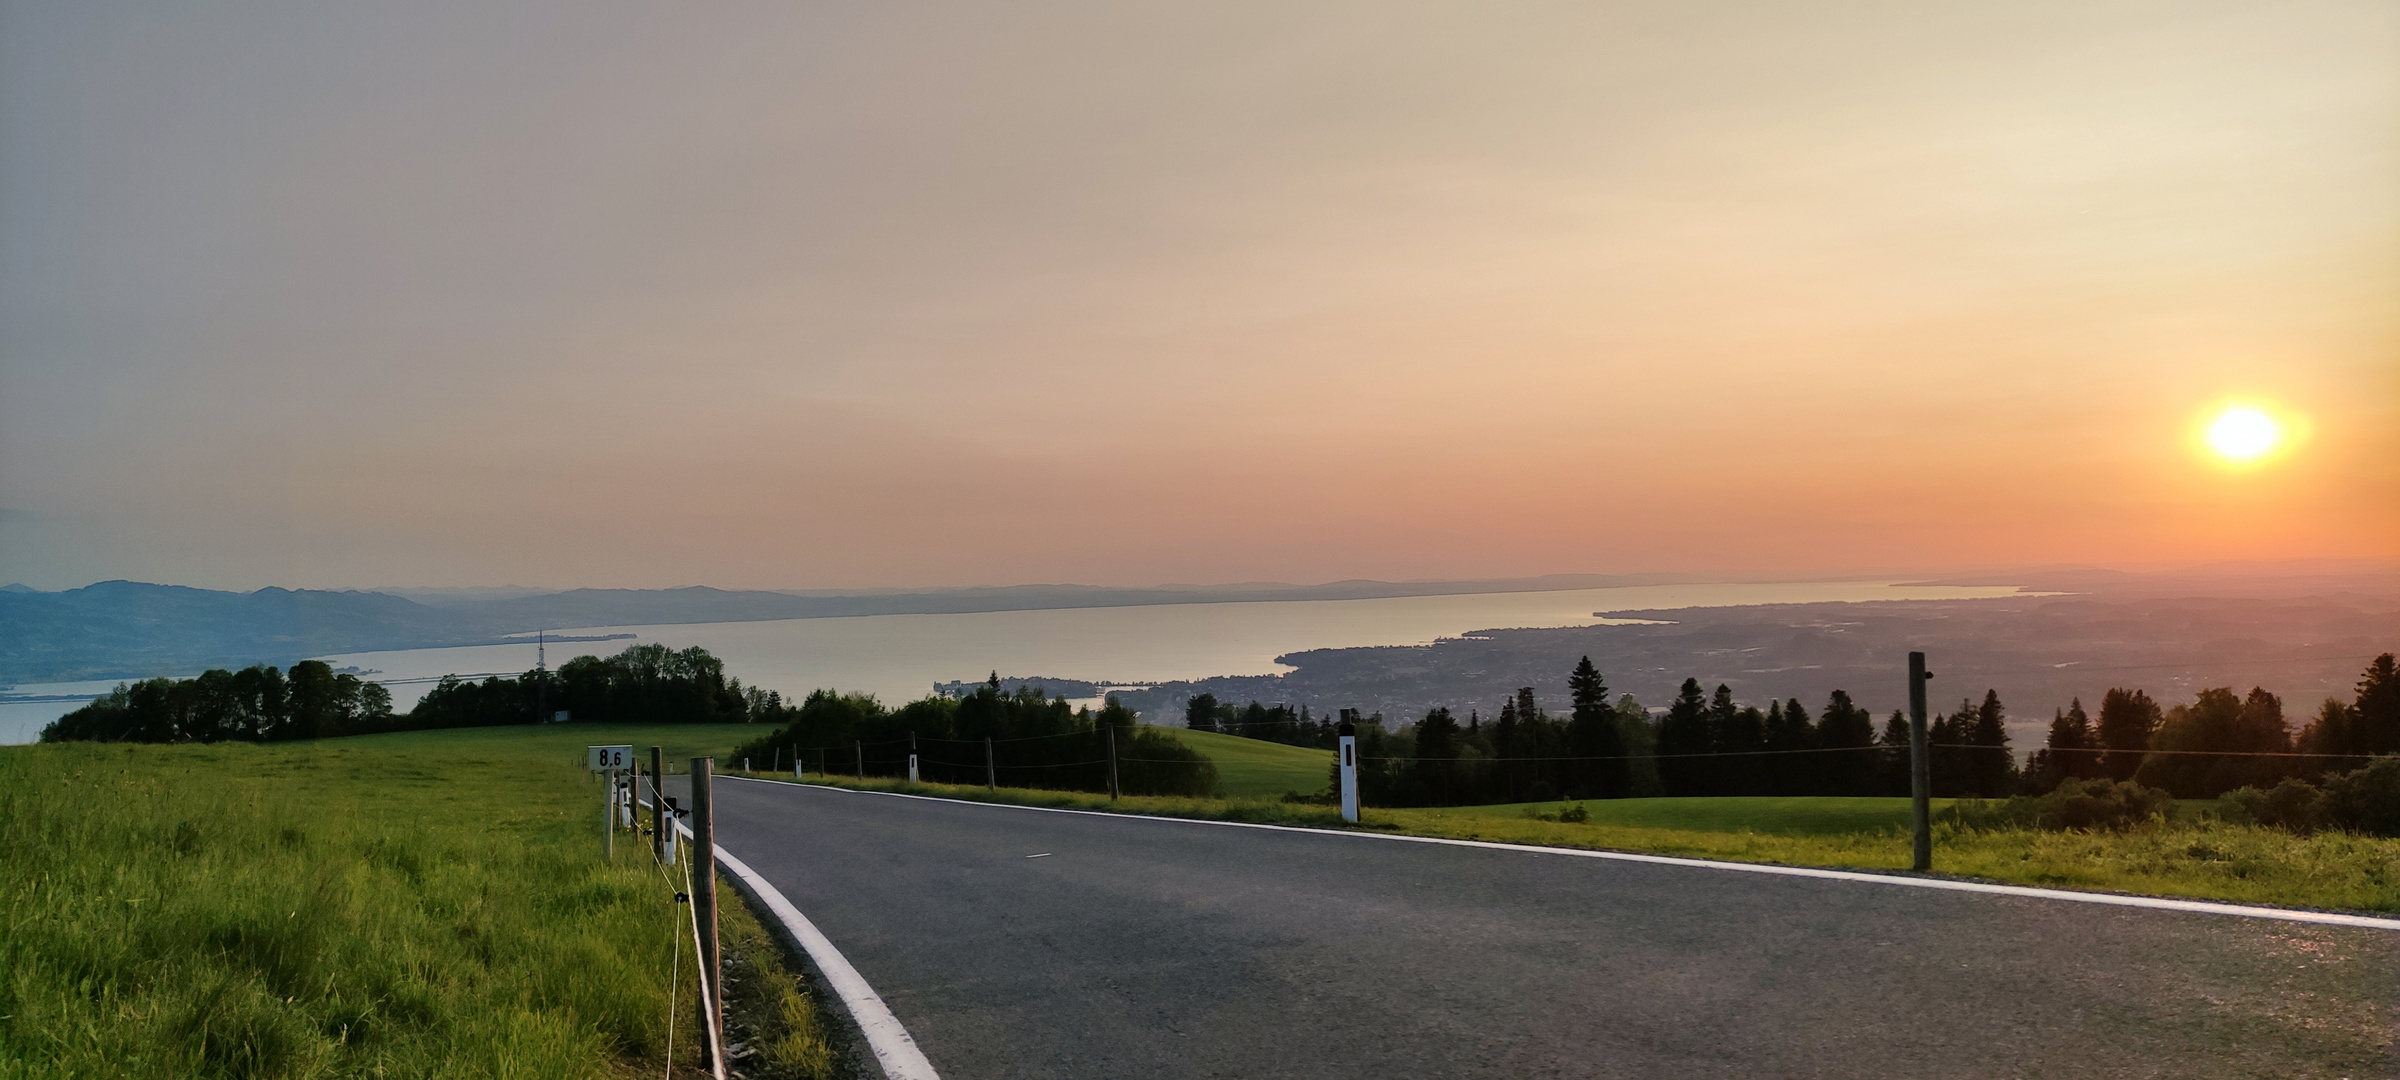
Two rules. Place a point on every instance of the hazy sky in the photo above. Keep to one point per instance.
(792, 295)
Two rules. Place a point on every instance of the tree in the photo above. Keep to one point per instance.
(1436, 763)
(1741, 731)
(2127, 719)
(1992, 770)
(255, 704)
(1848, 733)
(1893, 762)
(1200, 714)
(1592, 734)
(2070, 753)
(1790, 771)
(1682, 733)
(2375, 716)
(1640, 739)
(2213, 733)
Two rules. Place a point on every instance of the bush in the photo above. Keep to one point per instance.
(1572, 815)
(2293, 805)
(2361, 801)
(2366, 800)
(2081, 805)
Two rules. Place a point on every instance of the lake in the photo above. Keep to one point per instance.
(900, 657)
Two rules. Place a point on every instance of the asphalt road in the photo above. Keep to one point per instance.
(1150, 948)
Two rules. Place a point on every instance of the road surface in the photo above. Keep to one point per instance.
(1020, 943)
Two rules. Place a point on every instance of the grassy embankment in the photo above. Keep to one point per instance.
(2193, 856)
(422, 904)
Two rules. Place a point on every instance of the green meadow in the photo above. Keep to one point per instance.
(1254, 768)
(425, 904)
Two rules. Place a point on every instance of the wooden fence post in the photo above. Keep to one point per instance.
(1920, 763)
(658, 806)
(704, 912)
(1112, 761)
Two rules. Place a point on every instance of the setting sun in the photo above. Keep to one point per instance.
(2243, 434)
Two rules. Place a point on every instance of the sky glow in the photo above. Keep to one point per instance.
(780, 296)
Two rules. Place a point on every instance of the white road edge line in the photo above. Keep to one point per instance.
(2157, 903)
(894, 1048)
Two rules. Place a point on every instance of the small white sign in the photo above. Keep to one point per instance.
(611, 758)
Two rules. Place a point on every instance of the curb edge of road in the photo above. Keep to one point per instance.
(2156, 903)
(894, 1048)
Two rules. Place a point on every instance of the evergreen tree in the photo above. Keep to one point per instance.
(1437, 756)
(1640, 738)
(1719, 775)
(1684, 731)
(1946, 739)
(1789, 731)
(1508, 750)
(2068, 754)
(1893, 760)
(1745, 734)
(1848, 733)
(1992, 770)
(2375, 716)
(1592, 734)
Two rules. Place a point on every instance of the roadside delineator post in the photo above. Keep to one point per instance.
(860, 748)
(1348, 749)
(991, 768)
(704, 911)
(1920, 764)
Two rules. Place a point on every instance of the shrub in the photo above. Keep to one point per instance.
(2361, 801)
(2081, 805)
(2366, 800)
(2294, 805)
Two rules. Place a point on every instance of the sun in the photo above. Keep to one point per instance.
(2242, 434)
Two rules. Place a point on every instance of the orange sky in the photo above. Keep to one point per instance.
(617, 295)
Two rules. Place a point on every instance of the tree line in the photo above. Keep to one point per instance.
(255, 704)
(644, 683)
(1708, 744)
(2220, 742)
(1017, 738)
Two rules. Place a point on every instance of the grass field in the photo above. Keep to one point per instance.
(427, 904)
(1254, 768)
(1799, 816)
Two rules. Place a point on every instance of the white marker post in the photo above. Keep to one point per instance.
(1349, 762)
(912, 768)
(608, 761)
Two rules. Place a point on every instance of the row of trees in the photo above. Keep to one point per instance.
(650, 684)
(1708, 744)
(1019, 738)
(1270, 723)
(255, 704)
(645, 683)
(2221, 741)
(1704, 744)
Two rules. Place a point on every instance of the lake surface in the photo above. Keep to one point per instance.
(900, 657)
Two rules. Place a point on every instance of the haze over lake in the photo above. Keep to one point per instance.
(900, 657)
